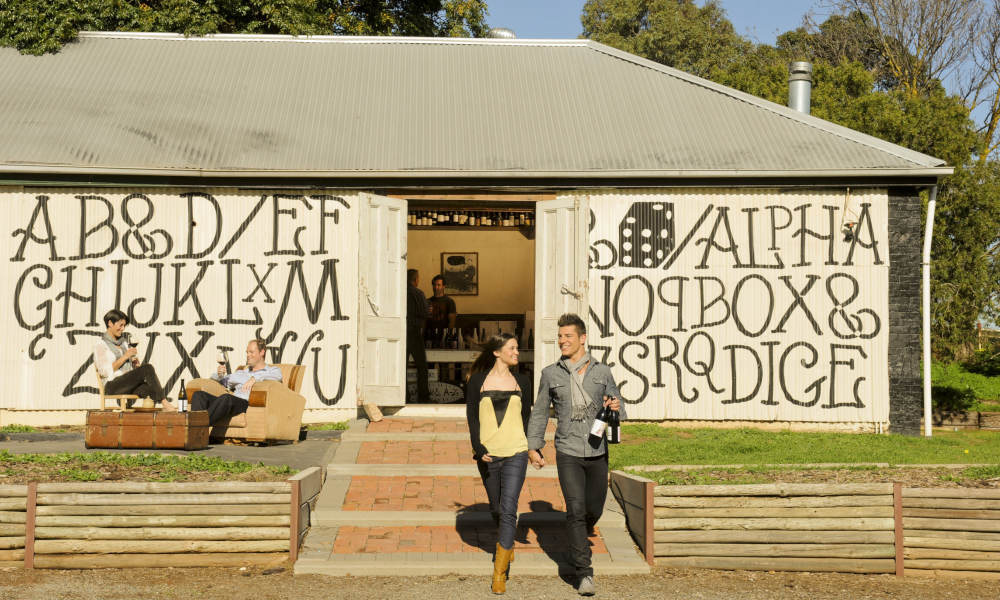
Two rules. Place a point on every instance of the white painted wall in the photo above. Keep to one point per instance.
(708, 325)
(72, 254)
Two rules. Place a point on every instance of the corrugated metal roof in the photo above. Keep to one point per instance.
(121, 103)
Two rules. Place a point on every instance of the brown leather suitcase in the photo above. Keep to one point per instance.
(153, 430)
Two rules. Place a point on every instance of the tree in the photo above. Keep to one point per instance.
(965, 271)
(40, 26)
(922, 41)
(878, 80)
(671, 32)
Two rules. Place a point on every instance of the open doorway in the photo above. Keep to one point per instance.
(484, 253)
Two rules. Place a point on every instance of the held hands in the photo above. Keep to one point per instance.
(612, 402)
(486, 458)
(536, 459)
(221, 371)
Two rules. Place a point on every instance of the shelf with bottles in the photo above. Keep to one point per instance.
(517, 219)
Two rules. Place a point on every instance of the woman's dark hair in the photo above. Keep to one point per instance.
(113, 316)
(485, 360)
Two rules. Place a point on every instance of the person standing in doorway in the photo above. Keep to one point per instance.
(497, 406)
(443, 314)
(416, 318)
(577, 386)
(442, 306)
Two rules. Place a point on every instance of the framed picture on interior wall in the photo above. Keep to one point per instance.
(461, 273)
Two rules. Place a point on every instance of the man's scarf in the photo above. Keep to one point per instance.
(581, 402)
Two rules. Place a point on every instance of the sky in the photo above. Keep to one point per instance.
(758, 20)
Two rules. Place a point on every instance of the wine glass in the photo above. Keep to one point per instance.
(220, 358)
(132, 343)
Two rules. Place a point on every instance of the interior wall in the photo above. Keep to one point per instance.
(506, 266)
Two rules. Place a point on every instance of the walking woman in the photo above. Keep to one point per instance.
(498, 405)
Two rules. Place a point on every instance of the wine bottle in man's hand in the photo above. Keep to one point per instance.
(614, 428)
(600, 424)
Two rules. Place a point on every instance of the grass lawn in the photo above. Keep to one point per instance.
(338, 426)
(644, 444)
(106, 466)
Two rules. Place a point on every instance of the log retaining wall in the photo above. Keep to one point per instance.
(854, 528)
(139, 524)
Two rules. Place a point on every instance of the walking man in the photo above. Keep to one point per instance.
(577, 386)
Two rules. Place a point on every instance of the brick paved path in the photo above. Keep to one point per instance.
(403, 496)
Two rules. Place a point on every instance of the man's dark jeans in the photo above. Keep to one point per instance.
(503, 479)
(220, 408)
(584, 483)
(415, 348)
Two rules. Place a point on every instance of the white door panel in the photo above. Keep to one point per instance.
(383, 301)
(561, 277)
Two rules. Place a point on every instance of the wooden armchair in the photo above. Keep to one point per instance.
(275, 411)
(120, 399)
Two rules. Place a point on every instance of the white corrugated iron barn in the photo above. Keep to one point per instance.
(736, 260)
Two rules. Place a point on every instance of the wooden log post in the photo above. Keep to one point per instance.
(29, 526)
(650, 543)
(118, 561)
(897, 509)
(293, 528)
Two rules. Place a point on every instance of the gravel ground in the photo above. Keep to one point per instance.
(258, 584)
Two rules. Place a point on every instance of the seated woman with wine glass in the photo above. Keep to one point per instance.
(498, 404)
(118, 365)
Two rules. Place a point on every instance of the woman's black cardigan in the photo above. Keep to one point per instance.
(473, 389)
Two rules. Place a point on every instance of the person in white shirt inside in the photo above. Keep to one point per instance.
(226, 406)
(118, 365)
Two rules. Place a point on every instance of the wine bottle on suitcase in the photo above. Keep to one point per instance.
(182, 399)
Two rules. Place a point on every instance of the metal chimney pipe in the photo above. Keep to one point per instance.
(800, 86)
(501, 33)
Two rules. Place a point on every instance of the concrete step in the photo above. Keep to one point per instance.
(457, 563)
(391, 470)
(420, 436)
(389, 518)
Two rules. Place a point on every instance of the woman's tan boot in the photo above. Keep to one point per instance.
(501, 561)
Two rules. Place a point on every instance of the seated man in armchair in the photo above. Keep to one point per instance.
(224, 407)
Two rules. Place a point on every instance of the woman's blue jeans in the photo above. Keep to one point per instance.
(503, 479)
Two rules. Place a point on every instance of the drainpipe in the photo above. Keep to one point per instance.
(928, 234)
(800, 86)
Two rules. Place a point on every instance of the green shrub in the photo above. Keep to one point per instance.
(952, 400)
(984, 362)
(955, 375)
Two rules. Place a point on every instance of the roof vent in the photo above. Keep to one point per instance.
(800, 86)
(501, 33)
